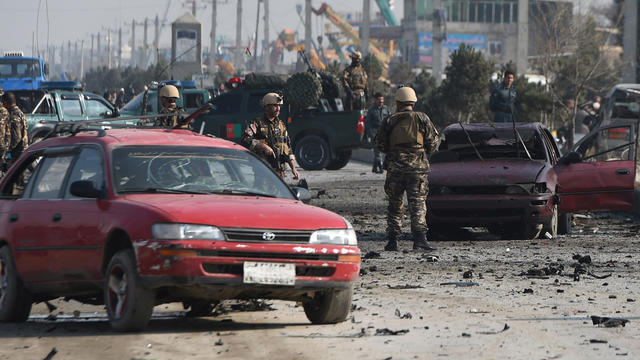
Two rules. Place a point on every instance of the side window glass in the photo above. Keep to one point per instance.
(71, 107)
(95, 108)
(227, 104)
(15, 187)
(88, 166)
(193, 100)
(610, 144)
(50, 177)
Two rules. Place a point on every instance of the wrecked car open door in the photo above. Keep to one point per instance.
(601, 173)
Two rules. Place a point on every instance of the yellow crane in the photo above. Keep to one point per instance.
(350, 32)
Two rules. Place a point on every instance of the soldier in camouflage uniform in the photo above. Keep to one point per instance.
(407, 137)
(168, 96)
(17, 139)
(267, 136)
(355, 82)
(4, 137)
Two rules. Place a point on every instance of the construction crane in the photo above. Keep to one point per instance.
(350, 32)
(389, 17)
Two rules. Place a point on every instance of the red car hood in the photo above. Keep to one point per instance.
(490, 172)
(241, 211)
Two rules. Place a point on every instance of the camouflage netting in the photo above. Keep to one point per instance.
(303, 89)
(331, 86)
(264, 81)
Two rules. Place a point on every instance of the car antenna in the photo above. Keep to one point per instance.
(470, 141)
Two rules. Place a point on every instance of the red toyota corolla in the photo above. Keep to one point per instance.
(133, 218)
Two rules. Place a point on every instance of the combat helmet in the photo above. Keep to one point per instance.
(406, 95)
(271, 99)
(169, 91)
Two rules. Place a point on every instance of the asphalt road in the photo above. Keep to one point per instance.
(518, 300)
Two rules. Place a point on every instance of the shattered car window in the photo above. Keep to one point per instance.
(199, 170)
(610, 144)
(492, 144)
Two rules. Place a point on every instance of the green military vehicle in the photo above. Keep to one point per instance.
(190, 100)
(322, 136)
(60, 101)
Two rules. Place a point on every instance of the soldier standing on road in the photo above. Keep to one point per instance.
(18, 138)
(407, 137)
(267, 136)
(503, 99)
(355, 82)
(375, 115)
(169, 94)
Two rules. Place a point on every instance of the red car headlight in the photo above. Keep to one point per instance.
(162, 231)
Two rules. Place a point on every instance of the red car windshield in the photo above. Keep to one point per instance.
(493, 144)
(194, 170)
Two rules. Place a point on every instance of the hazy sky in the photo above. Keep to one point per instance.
(74, 20)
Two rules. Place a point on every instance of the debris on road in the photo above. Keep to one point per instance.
(404, 287)
(598, 341)
(505, 328)
(371, 255)
(403, 316)
(387, 331)
(527, 291)
(608, 321)
(51, 354)
(460, 283)
(467, 274)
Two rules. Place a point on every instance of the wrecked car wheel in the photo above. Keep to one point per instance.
(551, 226)
(15, 300)
(565, 222)
(329, 307)
(129, 304)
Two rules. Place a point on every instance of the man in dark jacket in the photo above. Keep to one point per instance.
(375, 115)
(503, 99)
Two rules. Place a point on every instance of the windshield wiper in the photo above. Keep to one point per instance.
(240, 192)
(160, 190)
(470, 141)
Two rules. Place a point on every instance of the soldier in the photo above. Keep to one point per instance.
(407, 137)
(375, 115)
(169, 94)
(503, 99)
(267, 136)
(4, 134)
(18, 138)
(355, 82)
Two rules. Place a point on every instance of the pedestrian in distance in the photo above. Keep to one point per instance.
(267, 136)
(503, 99)
(354, 79)
(17, 138)
(407, 137)
(375, 115)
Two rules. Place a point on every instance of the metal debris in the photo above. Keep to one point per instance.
(608, 321)
(467, 274)
(404, 287)
(403, 316)
(371, 255)
(505, 328)
(51, 354)
(387, 331)
(461, 283)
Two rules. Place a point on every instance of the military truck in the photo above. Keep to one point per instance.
(60, 101)
(190, 100)
(322, 136)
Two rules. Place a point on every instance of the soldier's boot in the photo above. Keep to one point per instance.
(379, 165)
(375, 168)
(392, 244)
(420, 242)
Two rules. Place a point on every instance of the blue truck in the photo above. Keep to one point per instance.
(19, 72)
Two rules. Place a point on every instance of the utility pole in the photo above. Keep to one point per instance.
(212, 56)
(156, 40)
(436, 41)
(108, 48)
(62, 58)
(81, 60)
(52, 63)
(254, 62)
(119, 47)
(238, 53)
(75, 55)
(629, 41)
(69, 64)
(265, 49)
(523, 36)
(145, 44)
(133, 43)
(307, 28)
(366, 24)
(91, 54)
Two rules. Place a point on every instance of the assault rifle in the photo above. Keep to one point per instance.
(310, 67)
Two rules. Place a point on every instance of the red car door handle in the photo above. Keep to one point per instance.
(623, 172)
(56, 217)
(13, 218)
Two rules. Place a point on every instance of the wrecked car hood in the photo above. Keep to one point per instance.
(490, 172)
(241, 211)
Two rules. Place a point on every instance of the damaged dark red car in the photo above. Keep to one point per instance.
(513, 181)
(133, 218)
